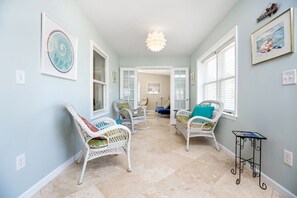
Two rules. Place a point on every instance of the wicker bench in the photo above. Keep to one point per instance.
(198, 126)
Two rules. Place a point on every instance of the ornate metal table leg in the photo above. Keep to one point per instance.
(253, 142)
(240, 167)
(262, 185)
(233, 170)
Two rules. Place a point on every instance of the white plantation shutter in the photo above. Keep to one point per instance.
(210, 91)
(210, 85)
(219, 76)
(211, 69)
(227, 94)
(226, 77)
(227, 61)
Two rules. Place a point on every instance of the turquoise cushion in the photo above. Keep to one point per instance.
(204, 111)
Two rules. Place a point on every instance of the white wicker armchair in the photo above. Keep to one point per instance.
(198, 126)
(128, 115)
(107, 138)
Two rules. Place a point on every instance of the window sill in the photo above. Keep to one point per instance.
(98, 114)
(229, 116)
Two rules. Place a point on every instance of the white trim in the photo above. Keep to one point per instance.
(44, 181)
(105, 110)
(169, 68)
(172, 95)
(153, 67)
(122, 70)
(229, 116)
(222, 41)
(282, 190)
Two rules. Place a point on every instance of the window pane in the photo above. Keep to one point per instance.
(179, 104)
(98, 67)
(180, 89)
(128, 86)
(227, 62)
(211, 69)
(210, 91)
(217, 75)
(98, 96)
(227, 94)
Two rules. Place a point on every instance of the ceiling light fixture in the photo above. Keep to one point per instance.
(155, 41)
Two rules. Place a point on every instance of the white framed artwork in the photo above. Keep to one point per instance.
(274, 39)
(58, 50)
(114, 76)
(153, 88)
(192, 75)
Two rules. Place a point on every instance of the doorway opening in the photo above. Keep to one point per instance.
(153, 87)
(148, 83)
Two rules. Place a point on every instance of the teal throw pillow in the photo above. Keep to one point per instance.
(204, 111)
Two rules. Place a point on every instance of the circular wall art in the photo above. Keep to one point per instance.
(60, 51)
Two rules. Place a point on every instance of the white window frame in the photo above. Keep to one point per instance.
(231, 35)
(105, 110)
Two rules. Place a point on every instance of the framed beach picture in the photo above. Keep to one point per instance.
(58, 50)
(192, 75)
(114, 76)
(273, 39)
(153, 88)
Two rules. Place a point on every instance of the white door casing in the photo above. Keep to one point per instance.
(179, 91)
(128, 85)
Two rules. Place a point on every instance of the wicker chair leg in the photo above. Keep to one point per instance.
(83, 169)
(214, 138)
(188, 142)
(129, 160)
(132, 126)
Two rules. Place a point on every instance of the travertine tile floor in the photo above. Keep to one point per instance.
(160, 168)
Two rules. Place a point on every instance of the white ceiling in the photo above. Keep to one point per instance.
(124, 24)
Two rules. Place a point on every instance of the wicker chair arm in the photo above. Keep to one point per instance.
(200, 118)
(104, 119)
(103, 133)
(141, 110)
(125, 112)
(183, 112)
(206, 121)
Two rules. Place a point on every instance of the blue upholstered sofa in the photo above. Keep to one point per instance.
(163, 111)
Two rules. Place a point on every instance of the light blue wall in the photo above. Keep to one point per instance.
(33, 118)
(155, 61)
(264, 105)
(34, 121)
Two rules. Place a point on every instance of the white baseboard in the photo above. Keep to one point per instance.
(282, 190)
(44, 181)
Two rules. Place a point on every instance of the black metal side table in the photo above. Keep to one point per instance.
(240, 138)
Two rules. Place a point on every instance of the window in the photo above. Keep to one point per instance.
(99, 85)
(217, 74)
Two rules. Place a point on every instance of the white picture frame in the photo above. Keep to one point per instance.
(58, 50)
(153, 88)
(274, 39)
(192, 76)
(114, 76)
